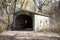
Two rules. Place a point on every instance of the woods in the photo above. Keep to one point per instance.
(45, 7)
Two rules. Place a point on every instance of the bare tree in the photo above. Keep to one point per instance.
(22, 4)
(39, 4)
(15, 4)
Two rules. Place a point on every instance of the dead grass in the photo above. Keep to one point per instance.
(2, 26)
(55, 30)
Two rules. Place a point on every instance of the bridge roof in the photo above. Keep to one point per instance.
(30, 12)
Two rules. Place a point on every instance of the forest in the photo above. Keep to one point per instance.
(8, 7)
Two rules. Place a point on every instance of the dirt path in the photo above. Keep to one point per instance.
(27, 35)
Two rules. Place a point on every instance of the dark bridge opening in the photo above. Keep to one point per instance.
(23, 22)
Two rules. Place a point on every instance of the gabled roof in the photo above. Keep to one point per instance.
(25, 11)
(30, 12)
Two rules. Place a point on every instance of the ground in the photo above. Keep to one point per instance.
(27, 35)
